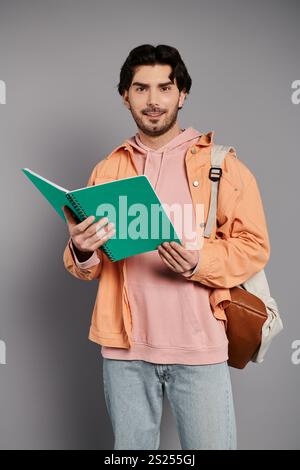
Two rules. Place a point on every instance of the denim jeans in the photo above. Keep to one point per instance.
(200, 397)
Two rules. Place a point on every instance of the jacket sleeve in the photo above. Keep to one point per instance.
(241, 247)
(83, 270)
(91, 261)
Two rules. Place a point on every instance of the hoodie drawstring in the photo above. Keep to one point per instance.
(160, 168)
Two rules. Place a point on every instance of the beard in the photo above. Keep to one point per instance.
(154, 127)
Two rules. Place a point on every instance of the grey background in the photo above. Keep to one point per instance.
(61, 61)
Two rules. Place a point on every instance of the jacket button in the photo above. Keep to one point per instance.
(193, 150)
(195, 183)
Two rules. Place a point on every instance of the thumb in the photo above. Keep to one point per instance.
(69, 215)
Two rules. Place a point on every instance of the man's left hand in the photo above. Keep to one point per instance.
(178, 258)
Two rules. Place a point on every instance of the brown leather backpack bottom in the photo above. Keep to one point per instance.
(246, 315)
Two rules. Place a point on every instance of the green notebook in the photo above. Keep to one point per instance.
(130, 203)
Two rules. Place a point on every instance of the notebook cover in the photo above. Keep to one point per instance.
(133, 206)
(136, 231)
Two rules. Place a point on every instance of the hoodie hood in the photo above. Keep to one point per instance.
(182, 138)
(147, 158)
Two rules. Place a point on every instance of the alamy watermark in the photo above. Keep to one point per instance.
(2, 352)
(295, 96)
(295, 357)
(2, 92)
(2, 343)
(137, 221)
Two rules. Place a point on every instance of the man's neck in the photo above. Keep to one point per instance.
(157, 142)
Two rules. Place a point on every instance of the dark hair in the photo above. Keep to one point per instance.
(147, 54)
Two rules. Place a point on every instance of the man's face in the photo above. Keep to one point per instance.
(152, 91)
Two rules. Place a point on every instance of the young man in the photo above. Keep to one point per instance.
(159, 316)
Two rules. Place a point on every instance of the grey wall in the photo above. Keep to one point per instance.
(60, 62)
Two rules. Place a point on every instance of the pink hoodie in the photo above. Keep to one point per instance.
(172, 321)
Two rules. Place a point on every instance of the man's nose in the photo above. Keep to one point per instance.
(152, 99)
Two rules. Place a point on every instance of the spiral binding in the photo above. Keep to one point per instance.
(82, 215)
(78, 209)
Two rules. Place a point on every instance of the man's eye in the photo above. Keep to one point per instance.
(163, 88)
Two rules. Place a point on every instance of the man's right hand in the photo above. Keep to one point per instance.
(88, 236)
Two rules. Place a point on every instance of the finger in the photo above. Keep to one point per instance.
(101, 232)
(82, 226)
(191, 256)
(180, 260)
(171, 260)
(166, 262)
(94, 228)
(181, 250)
(187, 273)
(69, 215)
(99, 243)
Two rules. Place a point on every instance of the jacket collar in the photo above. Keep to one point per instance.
(204, 141)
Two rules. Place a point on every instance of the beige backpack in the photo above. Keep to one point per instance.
(257, 284)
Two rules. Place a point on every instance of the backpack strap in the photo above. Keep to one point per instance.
(218, 153)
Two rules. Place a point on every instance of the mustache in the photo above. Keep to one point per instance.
(153, 111)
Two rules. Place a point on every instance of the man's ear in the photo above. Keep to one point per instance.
(182, 97)
(125, 99)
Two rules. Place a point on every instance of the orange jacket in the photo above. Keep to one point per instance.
(238, 248)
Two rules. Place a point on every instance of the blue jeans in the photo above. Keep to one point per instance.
(200, 397)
